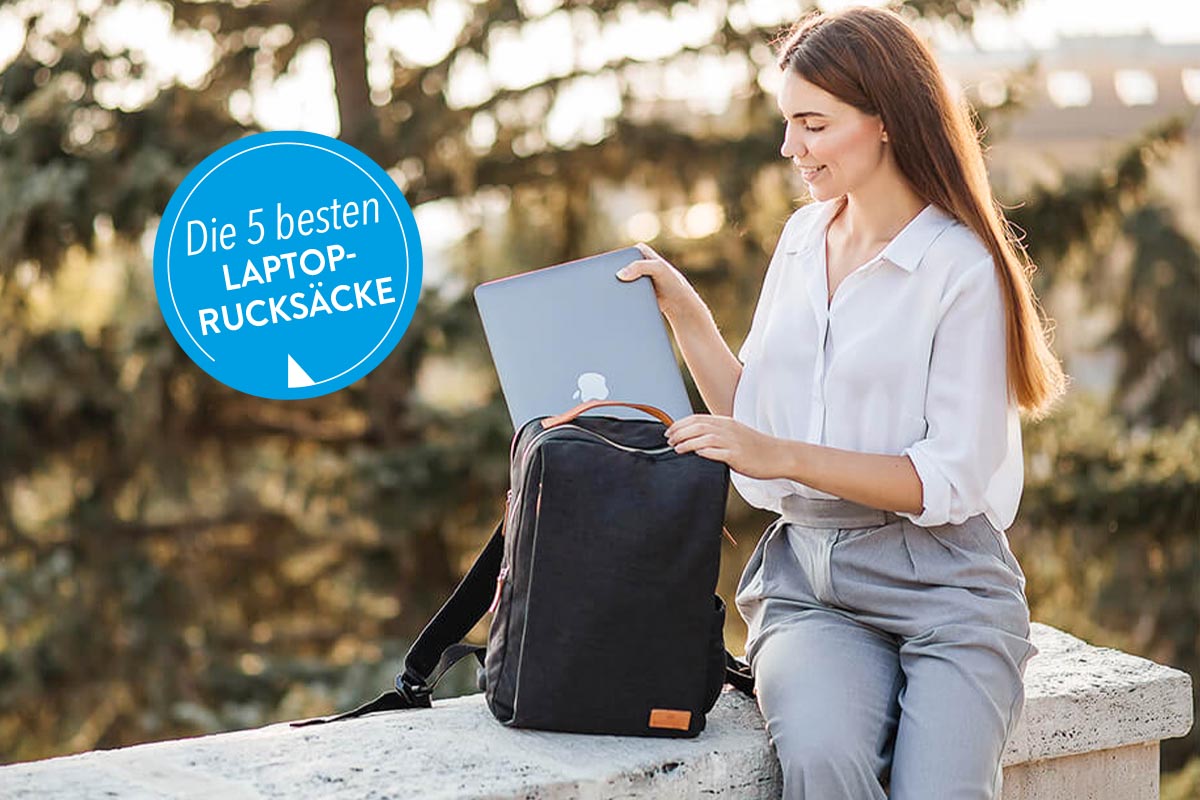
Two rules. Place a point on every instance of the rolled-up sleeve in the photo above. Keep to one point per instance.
(966, 403)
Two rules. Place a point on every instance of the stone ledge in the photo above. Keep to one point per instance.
(455, 750)
(1079, 700)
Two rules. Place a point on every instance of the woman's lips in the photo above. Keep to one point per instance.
(812, 174)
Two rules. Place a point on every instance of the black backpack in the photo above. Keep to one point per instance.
(602, 579)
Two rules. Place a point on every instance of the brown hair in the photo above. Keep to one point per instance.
(871, 59)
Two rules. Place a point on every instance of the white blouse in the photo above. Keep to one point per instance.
(908, 360)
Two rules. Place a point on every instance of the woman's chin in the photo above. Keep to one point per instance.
(819, 193)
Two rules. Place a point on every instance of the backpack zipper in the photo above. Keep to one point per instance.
(514, 501)
(528, 588)
(619, 446)
(600, 436)
(626, 448)
(499, 585)
(511, 507)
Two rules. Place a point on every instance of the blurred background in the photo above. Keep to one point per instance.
(176, 558)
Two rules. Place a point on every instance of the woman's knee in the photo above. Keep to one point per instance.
(827, 760)
(822, 744)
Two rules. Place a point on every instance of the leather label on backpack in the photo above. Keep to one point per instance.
(670, 718)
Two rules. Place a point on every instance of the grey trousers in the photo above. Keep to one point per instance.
(888, 658)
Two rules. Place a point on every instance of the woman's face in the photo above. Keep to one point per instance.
(836, 147)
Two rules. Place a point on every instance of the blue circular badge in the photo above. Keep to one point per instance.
(287, 265)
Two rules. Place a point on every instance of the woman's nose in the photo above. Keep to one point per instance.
(791, 147)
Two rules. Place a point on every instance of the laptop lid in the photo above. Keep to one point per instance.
(574, 332)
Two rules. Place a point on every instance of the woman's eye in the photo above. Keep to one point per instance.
(814, 130)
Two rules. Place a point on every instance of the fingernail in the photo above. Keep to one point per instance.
(623, 273)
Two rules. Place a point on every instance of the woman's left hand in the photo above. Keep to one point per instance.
(747, 451)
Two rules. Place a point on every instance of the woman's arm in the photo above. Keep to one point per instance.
(713, 365)
(878, 481)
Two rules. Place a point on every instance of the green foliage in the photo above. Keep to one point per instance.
(1109, 535)
(1074, 227)
(1157, 334)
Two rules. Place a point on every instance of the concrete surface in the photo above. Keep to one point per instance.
(1123, 773)
(1090, 729)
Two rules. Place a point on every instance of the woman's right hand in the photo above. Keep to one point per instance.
(674, 294)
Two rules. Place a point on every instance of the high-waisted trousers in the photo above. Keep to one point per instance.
(888, 658)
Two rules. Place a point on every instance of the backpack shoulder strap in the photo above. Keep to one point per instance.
(458, 615)
(439, 645)
(738, 674)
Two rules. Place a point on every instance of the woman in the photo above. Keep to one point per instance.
(875, 406)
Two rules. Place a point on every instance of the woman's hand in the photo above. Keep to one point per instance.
(674, 294)
(747, 451)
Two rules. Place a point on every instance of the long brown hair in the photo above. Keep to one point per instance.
(871, 59)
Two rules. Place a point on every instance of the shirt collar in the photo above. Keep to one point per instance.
(905, 250)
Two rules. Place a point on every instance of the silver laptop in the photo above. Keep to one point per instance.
(574, 332)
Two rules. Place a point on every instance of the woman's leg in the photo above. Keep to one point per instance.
(954, 597)
(962, 698)
(827, 687)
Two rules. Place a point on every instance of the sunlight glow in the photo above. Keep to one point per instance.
(643, 226)
(1135, 87)
(1191, 85)
(1069, 88)
(303, 97)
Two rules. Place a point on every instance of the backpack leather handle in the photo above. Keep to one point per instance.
(657, 413)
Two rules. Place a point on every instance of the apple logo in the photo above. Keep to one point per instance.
(591, 387)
